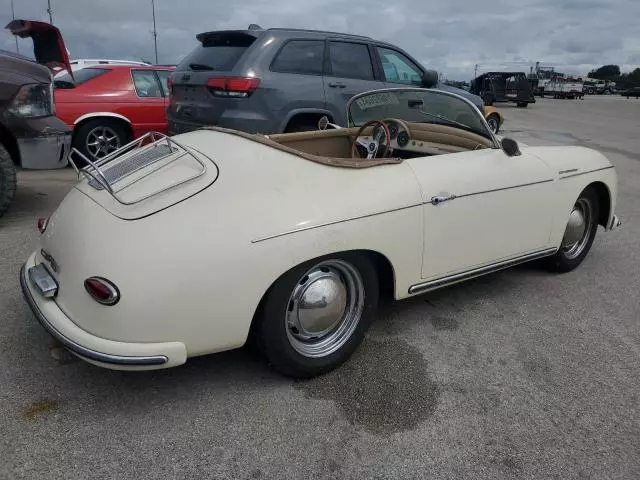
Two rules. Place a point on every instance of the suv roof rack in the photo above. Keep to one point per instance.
(309, 30)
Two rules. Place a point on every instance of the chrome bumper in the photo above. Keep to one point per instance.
(75, 347)
(45, 151)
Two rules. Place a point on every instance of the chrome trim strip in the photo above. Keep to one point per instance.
(589, 171)
(311, 227)
(477, 272)
(502, 188)
(77, 348)
(571, 170)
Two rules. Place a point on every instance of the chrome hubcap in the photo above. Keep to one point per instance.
(493, 124)
(101, 141)
(324, 308)
(578, 229)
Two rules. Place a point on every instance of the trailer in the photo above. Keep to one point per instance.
(564, 87)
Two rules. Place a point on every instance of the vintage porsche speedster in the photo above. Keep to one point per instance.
(175, 247)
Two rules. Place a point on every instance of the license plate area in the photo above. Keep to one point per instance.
(42, 281)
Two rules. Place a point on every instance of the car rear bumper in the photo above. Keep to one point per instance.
(99, 351)
(244, 121)
(43, 143)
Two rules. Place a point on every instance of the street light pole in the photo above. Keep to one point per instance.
(13, 15)
(50, 12)
(155, 34)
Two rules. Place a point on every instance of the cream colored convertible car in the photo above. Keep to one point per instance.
(176, 247)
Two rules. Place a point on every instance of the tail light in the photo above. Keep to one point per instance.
(238, 87)
(42, 224)
(102, 290)
(170, 84)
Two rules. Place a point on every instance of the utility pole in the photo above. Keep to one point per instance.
(50, 12)
(13, 15)
(155, 33)
(475, 71)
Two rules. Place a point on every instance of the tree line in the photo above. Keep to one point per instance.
(612, 73)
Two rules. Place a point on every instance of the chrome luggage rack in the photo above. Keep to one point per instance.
(104, 173)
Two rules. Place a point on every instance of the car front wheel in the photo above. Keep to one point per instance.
(315, 315)
(579, 233)
(494, 123)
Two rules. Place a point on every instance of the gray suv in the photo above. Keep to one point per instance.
(284, 80)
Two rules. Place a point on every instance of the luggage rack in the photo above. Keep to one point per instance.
(104, 173)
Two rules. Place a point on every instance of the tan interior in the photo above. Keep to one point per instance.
(333, 146)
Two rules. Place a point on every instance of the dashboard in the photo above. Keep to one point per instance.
(403, 140)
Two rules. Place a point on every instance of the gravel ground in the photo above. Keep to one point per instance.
(521, 374)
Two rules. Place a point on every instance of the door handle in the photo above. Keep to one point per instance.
(437, 200)
(337, 85)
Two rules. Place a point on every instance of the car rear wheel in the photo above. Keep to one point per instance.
(315, 316)
(100, 137)
(579, 234)
(7, 180)
(522, 104)
(494, 122)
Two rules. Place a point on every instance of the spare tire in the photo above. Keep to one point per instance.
(7, 180)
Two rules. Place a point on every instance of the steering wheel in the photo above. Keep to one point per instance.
(381, 139)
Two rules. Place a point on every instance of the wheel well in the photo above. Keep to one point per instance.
(384, 269)
(126, 125)
(604, 202)
(10, 143)
(304, 119)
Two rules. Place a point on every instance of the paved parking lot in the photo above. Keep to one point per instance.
(521, 374)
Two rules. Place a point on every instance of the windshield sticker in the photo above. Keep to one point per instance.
(377, 100)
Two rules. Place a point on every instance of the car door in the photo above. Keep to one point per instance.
(163, 76)
(348, 71)
(482, 207)
(397, 68)
(148, 113)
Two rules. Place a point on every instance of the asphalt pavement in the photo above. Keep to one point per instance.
(521, 374)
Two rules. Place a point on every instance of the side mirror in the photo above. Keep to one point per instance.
(429, 78)
(510, 147)
(323, 123)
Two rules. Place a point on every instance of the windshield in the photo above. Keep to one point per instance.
(418, 106)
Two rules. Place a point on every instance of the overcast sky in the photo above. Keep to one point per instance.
(572, 35)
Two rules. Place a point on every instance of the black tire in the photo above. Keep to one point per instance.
(564, 260)
(81, 133)
(275, 338)
(522, 104)
(488, 99)
(7, 180)
(492, 120)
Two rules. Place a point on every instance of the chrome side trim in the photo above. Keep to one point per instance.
(502, 188)
(584, 173)
(77, 348)
(311, 227)
(477, 272)
(571, 170)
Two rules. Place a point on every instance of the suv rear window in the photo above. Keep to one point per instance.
(217, 52)
(300, 56)
(64, 80)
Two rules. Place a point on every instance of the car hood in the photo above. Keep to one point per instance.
(48, 46)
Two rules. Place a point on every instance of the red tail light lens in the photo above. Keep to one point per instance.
(239, 87)
(102, 290)
(42, 224)
(170, 84)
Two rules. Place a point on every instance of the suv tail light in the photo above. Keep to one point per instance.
(170, 84)
(102, 290)
(33, 100)
(238, 87)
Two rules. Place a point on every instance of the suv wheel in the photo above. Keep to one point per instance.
(306, 124)
(7, 180)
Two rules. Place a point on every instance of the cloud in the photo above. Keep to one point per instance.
(452, 37)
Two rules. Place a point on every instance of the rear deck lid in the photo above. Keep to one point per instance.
(48, 46)
(152, 174)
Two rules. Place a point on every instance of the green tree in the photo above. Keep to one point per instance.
(606, 72)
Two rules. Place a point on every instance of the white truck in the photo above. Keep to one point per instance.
(564, 87)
